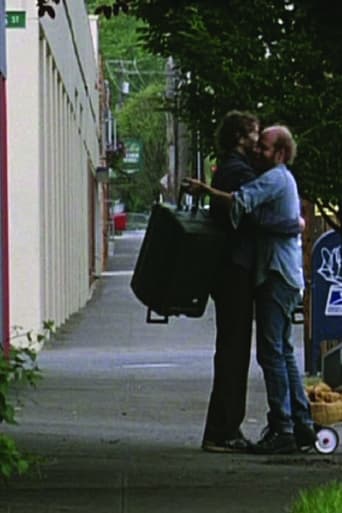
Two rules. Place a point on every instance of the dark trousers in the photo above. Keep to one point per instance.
(233, 300)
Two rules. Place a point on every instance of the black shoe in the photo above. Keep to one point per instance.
(305, 436)
(240, 444)
(275, 443)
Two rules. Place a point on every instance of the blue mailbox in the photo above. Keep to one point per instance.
(326, 279)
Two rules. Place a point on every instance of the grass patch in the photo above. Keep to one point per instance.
(323, 499)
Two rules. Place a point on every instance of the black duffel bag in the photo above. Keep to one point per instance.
(178, 261)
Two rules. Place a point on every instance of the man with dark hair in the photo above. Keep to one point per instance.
(233, 293)
(236, 138)
(278, 280)
(235, 126)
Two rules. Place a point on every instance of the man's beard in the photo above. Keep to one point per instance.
(256, 163)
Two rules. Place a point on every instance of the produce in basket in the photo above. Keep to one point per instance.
(325, 403)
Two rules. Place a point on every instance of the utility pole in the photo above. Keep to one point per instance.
(307, 241)
(177, 133)
(121, 72)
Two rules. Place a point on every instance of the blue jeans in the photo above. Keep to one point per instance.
(288, 404)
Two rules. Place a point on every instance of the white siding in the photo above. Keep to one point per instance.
(53, 137)
(24, 173)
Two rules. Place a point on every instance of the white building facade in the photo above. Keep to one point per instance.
(53, 151)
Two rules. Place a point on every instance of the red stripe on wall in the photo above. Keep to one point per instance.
(4, 216)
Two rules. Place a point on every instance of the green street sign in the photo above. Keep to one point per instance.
(15, 19)
(132, 161)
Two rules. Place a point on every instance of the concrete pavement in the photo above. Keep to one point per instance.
(118, 418)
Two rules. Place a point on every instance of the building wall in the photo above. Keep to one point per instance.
(53, 152)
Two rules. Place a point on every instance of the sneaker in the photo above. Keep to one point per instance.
(305, 436)
(240, 444)
(275, 443)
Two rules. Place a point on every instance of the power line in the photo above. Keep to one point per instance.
(119, 66)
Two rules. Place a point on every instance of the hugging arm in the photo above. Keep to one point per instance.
(275, 224)
(266, 220)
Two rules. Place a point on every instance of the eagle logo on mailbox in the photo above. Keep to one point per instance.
(331, 271)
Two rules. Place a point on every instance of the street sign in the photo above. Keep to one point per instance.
(132, 161)
(326, 292)
(15, 19)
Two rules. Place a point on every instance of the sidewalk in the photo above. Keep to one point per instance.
(119, 415)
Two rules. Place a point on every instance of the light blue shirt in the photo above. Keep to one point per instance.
(275, 193)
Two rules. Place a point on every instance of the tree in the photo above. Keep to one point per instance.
(143, 118)
(126, 59)
(277, 57)
(138, 114)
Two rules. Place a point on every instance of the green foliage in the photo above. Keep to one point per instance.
(279, 58)
(12, 460)
(126, 59)
(142, 117)
(139, 114)
(275, 57)
(17, 369)
(323, 499)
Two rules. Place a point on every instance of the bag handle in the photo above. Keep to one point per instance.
(183, 189)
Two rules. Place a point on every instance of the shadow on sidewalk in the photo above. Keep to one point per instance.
(119, 415)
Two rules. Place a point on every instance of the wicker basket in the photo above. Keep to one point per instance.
(326, 413)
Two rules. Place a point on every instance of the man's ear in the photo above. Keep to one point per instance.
(280, 156)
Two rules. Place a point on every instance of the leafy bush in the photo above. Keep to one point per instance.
(17, 368)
